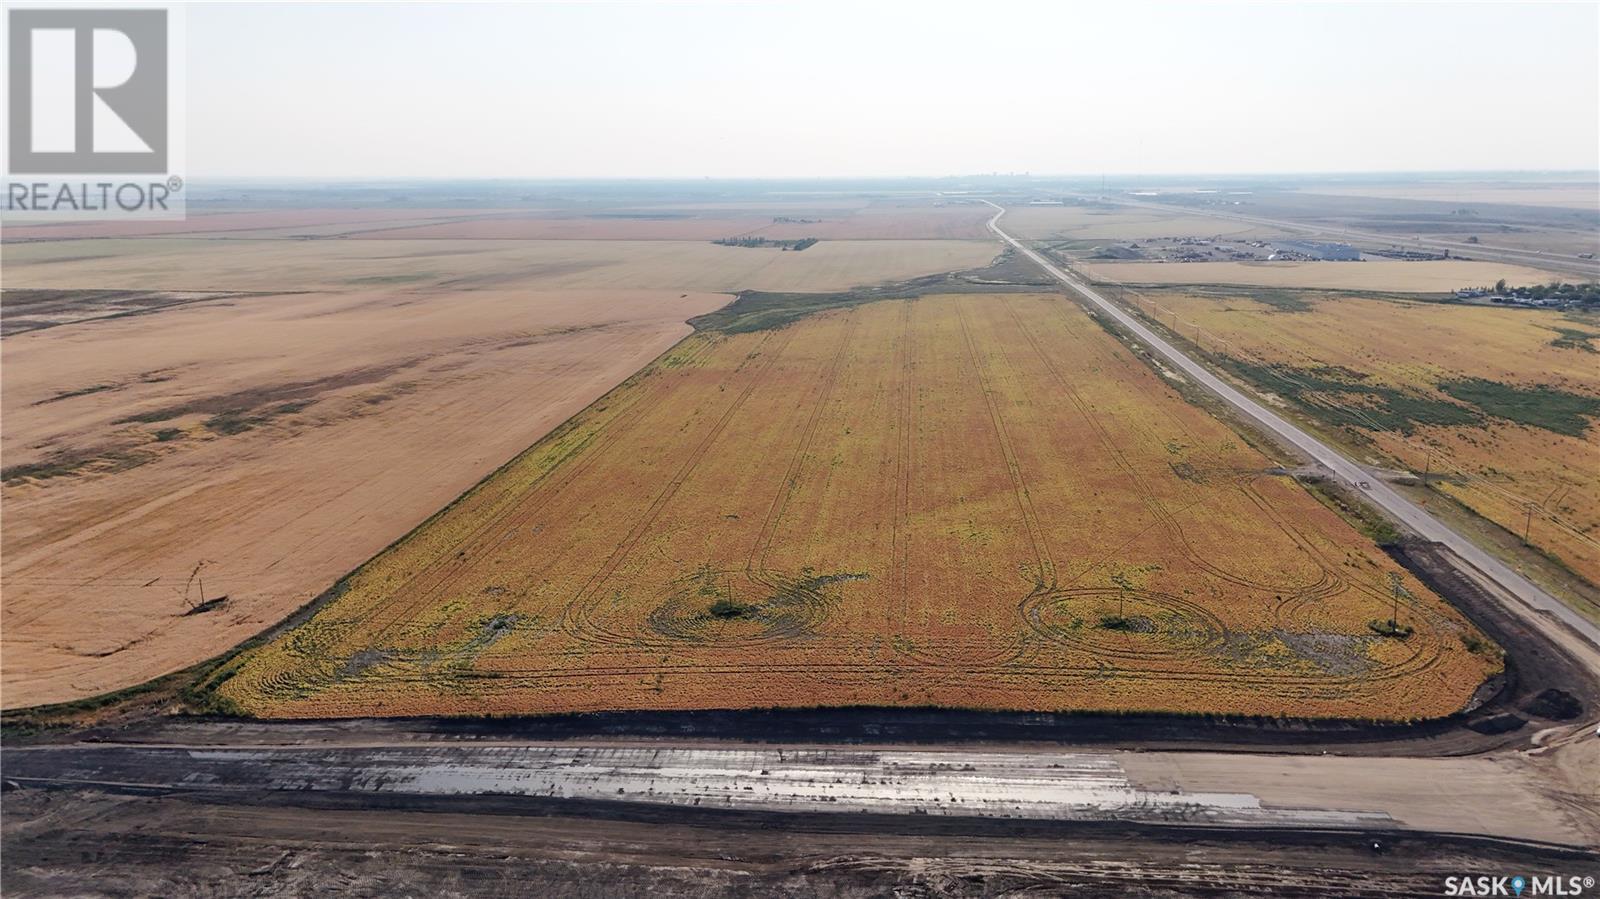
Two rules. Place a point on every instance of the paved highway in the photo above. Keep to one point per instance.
(1536, 603)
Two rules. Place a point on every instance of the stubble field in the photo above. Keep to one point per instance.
(827, 218)
(454, 264)
(275, 441)
(1100, 222)
(1564, 194)
(958, 500)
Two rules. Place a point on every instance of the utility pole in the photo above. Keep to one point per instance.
(1527, 524)
(1395, 589)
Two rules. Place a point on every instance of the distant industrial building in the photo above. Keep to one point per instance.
(1313, 249)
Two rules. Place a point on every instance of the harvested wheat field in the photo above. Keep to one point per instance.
(962, 500)
(1091, 222)
(1505, 401)
(277, 265)
(241, 221)
(1567, 194)
(1441, 276)
(881, 220)
(273, 440)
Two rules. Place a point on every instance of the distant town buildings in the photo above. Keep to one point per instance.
(1314, 250)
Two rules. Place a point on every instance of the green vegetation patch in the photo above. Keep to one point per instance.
(1390, 628)
(69, 465)
(1574, 339)
(1347, 398)
(231, 423)
(1279, 299)
(1541, 406)
(731, 608)
(756, 310)
(1133, 624)
(237, 421)
(41, 471)
(82, 391)
(408, 278)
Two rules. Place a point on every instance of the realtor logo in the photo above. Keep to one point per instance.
(88, 91)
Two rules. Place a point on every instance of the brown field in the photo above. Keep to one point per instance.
(884, 220)
(214, 223)
(1568, 241)
(895, 220)
(842, 219)
(322, 399)
(285, 439)
(1398, 276)
(960, 500)
(1122, 223)
(1567, 194)
(279, 265)
(519, 227)
(1415, 347)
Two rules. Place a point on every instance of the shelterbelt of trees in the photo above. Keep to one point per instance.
(795, 245)
(1586, 294)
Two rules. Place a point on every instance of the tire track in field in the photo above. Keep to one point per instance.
(755, 568)
(575, 617)
(1003, 652)
(511, 679)
(525, 682)
(1424, 655)
(1046, 567)
(756, 564)
(446, 568)
(900, 550)
(400, 604)
(1327, 584)
(1152, 502)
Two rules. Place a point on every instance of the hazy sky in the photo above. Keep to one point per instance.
(866, 88)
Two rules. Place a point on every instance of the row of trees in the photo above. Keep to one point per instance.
(765, 242)
(1585, 294)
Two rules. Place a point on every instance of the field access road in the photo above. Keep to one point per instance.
(1514, 799)
(1536, 604)
(1568, 263)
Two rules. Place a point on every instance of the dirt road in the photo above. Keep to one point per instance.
(85, 842)
(1517, 797)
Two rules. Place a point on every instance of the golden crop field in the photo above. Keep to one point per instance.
(961, 500)
(1353, 350)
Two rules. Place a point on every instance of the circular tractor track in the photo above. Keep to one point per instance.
(1164, 626)
(786, 610)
